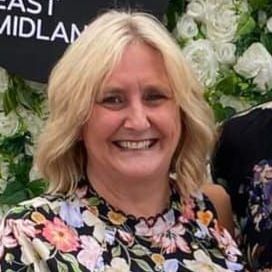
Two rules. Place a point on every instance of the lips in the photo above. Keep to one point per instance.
(135, 145)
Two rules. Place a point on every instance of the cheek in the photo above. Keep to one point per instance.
(173, 122)
(177, 130)
(169, 123)
(101, 125)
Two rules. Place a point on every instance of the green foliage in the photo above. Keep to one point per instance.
(175, 9)
(14, 148)
(258, 4)
(19, 93)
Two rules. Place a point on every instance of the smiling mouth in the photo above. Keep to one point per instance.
(136, 145)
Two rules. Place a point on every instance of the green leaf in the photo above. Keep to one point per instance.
(228, 85)
(94, 201)
(217, 253)
(72, 261)
(258, 4)
(14, 193)
(246, 25)
(36, 187)
(17, 209)
(143, 265)
(116, 251)
(140, 250)
(10, 102)
(266, 40)
(175, 9)
(24, 97)
(15, 144)
(62, 267)
(20, 170)
(221, 113)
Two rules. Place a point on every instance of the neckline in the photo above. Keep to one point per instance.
(116, 217)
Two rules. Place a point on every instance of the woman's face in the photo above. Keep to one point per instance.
(135, 125)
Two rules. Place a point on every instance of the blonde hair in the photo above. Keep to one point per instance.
(76, 79)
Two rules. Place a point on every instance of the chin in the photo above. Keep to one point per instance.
(144, 170)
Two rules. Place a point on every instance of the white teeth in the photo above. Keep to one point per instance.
(135, 145)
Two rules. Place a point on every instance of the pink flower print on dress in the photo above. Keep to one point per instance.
(127, 237)
(6, 238)
(226, 242)
(90, 254)
(173, 239)
(164, 233)
(60, 235)
(24, 226)
(187, 211)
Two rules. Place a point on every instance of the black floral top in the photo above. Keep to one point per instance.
(84, 233)
(243, 164)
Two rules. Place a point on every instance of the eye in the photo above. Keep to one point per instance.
(112, 101)
(155, 97)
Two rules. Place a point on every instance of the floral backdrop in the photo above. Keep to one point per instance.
(227, 42)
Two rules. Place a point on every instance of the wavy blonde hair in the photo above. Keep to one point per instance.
(77, 78)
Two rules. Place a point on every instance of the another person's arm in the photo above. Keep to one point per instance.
(221, 201)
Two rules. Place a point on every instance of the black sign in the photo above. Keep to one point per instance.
(35, 33)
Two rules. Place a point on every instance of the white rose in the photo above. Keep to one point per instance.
(186, 27)
(221, 24)
(269, 24)
(217, 3)
(262, 18)
(34, 174)
(242, 6)
(256, 62)
(4, 169)
(3, 80)
(4, 172)
(8, 124)
(225, 52)
(202, 57)
(33, 122)
(234, 102)
(196, 9)
(264, 79)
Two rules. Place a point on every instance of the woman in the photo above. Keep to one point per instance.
(125, 113)
(243, 165)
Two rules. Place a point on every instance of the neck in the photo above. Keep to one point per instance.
(140, 197)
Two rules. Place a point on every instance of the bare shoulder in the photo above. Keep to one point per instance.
(216, 192)
(221, 201)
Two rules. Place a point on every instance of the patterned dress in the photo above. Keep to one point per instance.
(83, 232)
(243, 165)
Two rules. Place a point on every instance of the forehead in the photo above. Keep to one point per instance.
(141, 62)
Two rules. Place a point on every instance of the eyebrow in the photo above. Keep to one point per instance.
(116, 89)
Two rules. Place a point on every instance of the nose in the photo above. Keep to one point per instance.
(137, 117)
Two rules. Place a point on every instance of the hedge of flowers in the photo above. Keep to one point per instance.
(227, 42)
